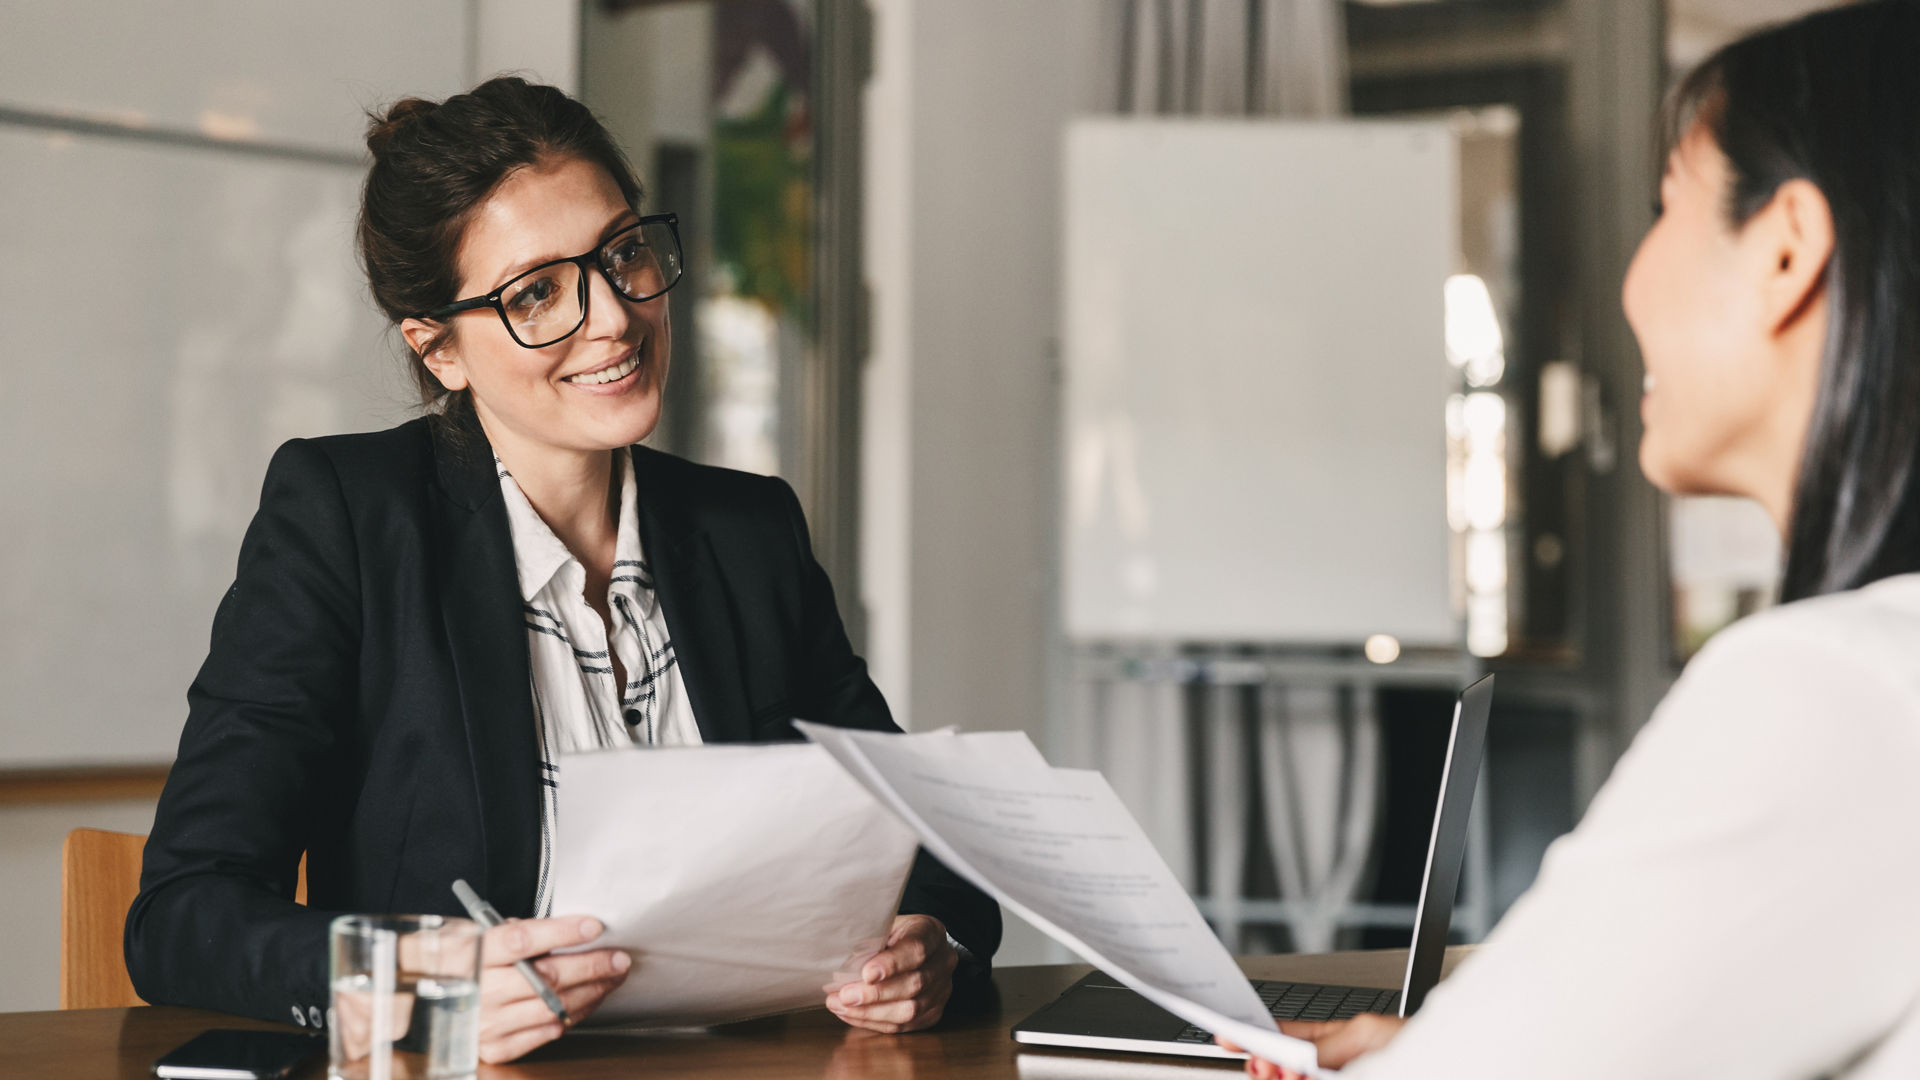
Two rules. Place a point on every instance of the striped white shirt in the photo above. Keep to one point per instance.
(576, 705)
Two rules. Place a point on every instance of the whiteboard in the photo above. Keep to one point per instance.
(1256, 381)
(189, 312)
(183, 300)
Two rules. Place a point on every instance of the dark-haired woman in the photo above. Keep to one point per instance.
(1740, 899)
(425, 619)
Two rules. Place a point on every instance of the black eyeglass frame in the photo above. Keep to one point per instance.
(585, 261)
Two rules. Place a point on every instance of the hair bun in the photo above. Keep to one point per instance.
(382, 128)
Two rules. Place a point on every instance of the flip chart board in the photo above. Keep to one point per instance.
(1256, 380)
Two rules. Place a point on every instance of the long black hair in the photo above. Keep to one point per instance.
(1834, 98)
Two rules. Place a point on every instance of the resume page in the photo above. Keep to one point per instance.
(742, 880)
(1058, 847)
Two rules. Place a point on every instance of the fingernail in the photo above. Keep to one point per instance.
(874, 973)
(591, 927)
(850, 995)
(621, 961)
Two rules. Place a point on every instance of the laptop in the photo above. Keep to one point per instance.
(1099, 1013)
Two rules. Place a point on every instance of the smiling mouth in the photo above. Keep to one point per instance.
(611, 373)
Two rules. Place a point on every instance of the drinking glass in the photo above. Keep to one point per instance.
(406, 997)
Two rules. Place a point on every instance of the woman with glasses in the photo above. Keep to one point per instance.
(1739, 900)
(425, 619)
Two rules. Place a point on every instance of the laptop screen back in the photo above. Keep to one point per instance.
(1446, 851)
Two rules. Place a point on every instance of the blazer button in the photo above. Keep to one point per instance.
(299, 1017)
(313, 1014)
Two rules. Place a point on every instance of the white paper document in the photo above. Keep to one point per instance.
(1057, 846)
(743, 880)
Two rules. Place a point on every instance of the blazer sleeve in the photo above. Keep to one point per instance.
(215, 924)
(839, 691)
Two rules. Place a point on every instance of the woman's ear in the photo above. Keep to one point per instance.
(1797, 239)
(444, 362)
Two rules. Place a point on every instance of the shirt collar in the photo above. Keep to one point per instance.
(632, 577)
(539, 556)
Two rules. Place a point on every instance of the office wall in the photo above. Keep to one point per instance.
(965, 118)
(177, 187)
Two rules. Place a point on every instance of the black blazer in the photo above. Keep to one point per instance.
(365, 701)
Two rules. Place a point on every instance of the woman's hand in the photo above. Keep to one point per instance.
(513, 1019)
(1337, 1041)
(905, 986)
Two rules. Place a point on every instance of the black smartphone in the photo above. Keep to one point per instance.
(226, 1054)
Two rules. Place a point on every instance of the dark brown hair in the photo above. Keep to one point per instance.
(1832, 99)
(433, 164)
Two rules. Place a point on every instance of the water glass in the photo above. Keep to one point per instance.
(406, 997)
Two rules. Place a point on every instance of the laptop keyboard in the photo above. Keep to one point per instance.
(1310, 1001)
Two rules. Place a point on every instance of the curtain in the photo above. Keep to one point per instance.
(1233, 58)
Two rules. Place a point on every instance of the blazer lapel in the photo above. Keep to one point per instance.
(692, 597)
(486, 632)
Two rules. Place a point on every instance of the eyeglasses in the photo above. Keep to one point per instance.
(549, 302)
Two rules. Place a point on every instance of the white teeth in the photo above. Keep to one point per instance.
(1646, 384)
(606, 375)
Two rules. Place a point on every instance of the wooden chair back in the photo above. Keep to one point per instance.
(99, 877)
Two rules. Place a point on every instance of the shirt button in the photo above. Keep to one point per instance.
(313, 1014)
(299, 1017)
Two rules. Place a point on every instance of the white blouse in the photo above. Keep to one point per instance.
(1743, 897)
(575, 702)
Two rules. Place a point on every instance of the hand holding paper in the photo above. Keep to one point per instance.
(742, 880)
(906, 985)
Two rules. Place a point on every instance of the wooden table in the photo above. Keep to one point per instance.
(122, 1043)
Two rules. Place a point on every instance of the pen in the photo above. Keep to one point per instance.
(484, 914)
